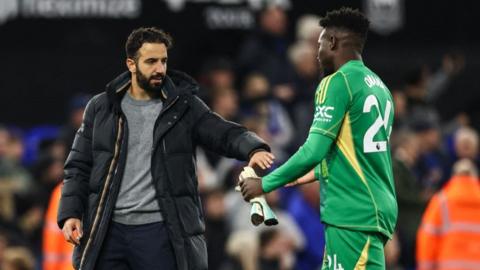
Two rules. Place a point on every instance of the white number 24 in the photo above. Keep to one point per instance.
(369, 145)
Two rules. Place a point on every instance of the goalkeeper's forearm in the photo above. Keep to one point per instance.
(305, 159)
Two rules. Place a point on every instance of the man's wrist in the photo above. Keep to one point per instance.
(253, 152)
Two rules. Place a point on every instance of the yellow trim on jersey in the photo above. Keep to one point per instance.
(318, 94)
(347, 147)
(345, 144)
(362, 261)
(327, 83)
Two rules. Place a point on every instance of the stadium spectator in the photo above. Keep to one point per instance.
(433, 159)
(224, 101)
(56, 252)
(238, 214)
(258, 102)
(11, 169)
(400, 110)
(76, 109)
(3, 245)
(287, 224)
(412, 197)
(55, 148)
(15, 147)
(308, 30)
(30, 207)
(48, 172)
(243, 248)
(10, 232)
(423, 88)
(216, 229)
(303, 57)
(17, 258)
(254, 252)
(466, 144)
(217, 73)
(275, 250)
(4, 135)
(16, 217)
(265, 51)
(304, 207)
(449, 235)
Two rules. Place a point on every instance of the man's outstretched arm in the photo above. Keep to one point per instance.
(228, 138)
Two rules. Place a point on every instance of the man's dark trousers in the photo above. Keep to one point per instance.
(136, 247)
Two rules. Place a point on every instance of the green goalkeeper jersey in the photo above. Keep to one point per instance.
(354, 109)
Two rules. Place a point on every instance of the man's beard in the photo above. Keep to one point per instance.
(146, 84)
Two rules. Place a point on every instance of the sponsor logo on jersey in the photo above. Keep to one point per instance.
(323, 113)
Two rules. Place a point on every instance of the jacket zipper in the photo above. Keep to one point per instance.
(113, 165)
(163, 141)
(166, 108)
(163, 158)
(158, 118)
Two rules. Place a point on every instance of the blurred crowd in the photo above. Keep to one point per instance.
(268, 88)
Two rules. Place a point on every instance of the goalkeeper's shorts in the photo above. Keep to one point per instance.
(347, 250)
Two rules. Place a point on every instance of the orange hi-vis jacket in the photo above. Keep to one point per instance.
(57, 252)
(449, 236)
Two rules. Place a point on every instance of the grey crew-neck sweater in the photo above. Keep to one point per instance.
(136, 203)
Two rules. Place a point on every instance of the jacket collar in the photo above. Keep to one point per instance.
(176, 83)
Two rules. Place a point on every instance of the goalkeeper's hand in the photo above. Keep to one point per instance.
(251, 187)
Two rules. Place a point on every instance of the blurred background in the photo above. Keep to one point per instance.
(256, 63)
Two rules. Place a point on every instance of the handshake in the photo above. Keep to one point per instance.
(252, 192)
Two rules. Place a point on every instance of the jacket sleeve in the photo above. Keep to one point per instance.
(221, 136)
(77, 170)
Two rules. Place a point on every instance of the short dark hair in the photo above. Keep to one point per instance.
(146, 35)
(347, 19)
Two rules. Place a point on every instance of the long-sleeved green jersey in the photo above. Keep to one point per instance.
(348, 143)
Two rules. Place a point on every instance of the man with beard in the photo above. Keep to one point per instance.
(348, 148)
(130, 198)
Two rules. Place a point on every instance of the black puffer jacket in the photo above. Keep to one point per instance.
(96, 162)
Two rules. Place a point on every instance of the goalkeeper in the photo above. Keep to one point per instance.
(347, 150)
